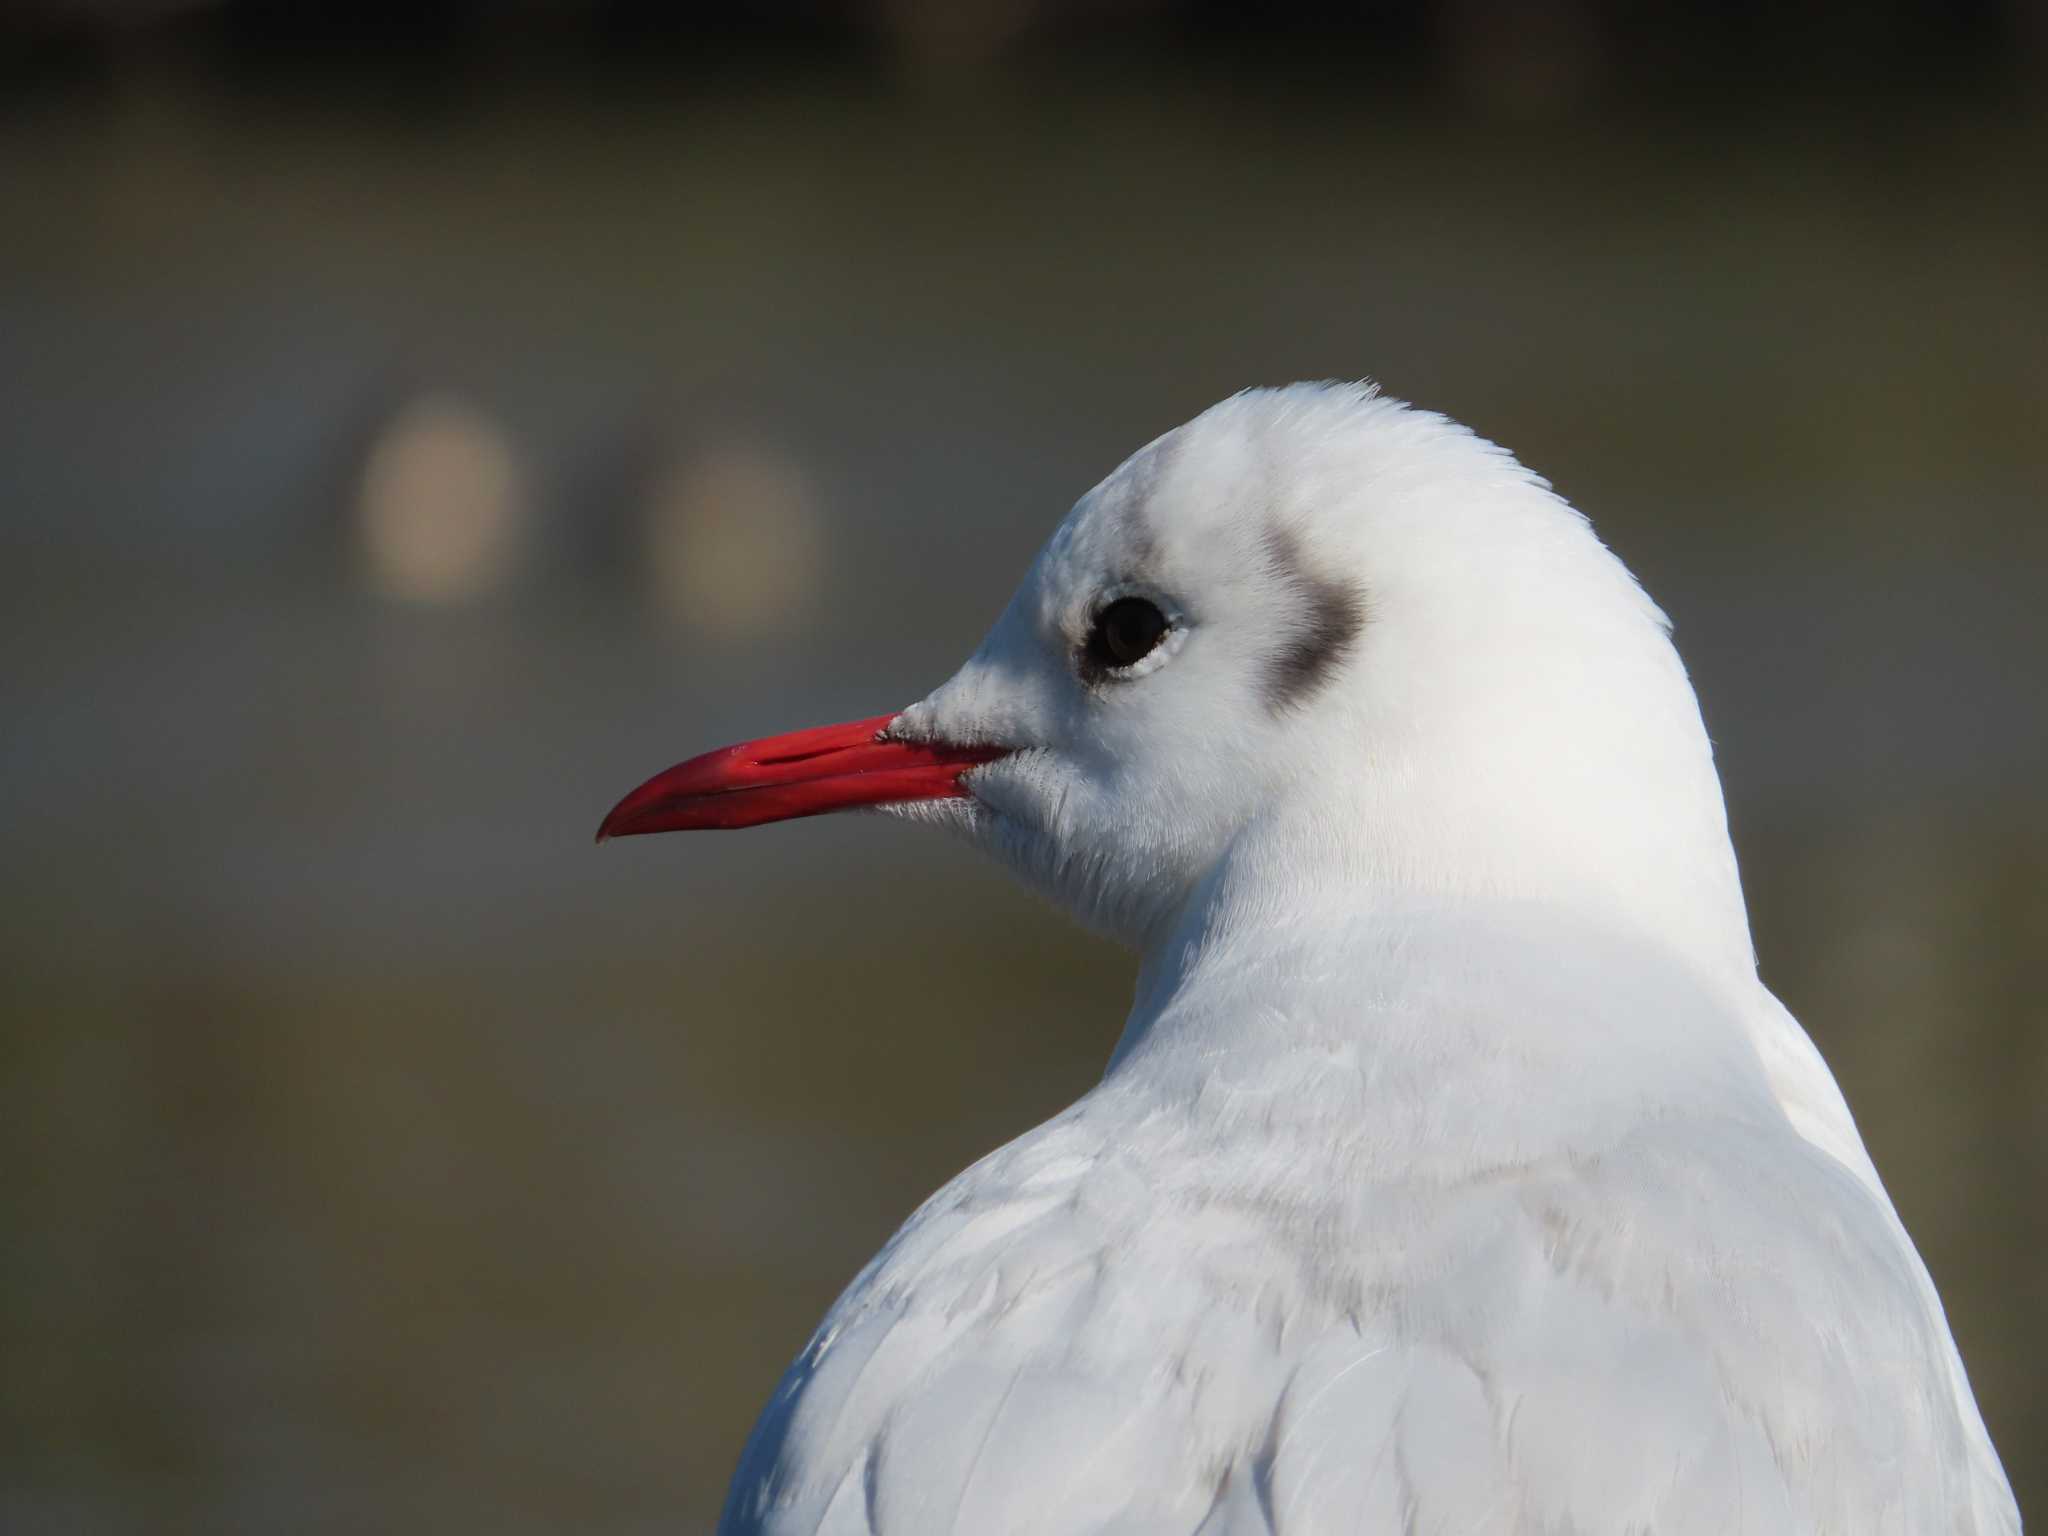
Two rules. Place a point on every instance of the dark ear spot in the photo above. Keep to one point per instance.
(1324, 617)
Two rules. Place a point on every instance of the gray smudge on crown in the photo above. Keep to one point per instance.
(1328, 615)
(1134, 529)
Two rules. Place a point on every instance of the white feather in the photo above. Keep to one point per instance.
(1455, 1172)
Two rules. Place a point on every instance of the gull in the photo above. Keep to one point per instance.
(1454, 1170)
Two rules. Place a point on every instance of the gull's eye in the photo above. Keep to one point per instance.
(1125, 633)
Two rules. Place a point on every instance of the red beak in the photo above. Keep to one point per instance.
(805, 773)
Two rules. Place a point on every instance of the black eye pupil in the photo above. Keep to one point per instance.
(1126, 632)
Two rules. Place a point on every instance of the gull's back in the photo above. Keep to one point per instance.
(1627, 1295)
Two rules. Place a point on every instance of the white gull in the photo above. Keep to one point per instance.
(1455, 1172)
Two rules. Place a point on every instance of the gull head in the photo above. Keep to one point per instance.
(1315, 651)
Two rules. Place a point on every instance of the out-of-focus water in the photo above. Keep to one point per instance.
(383, 1156)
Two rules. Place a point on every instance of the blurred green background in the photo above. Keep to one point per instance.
(418, 423)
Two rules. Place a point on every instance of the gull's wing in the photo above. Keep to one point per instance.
(977, 1376)
(1712, 1327)
(1813, 1104)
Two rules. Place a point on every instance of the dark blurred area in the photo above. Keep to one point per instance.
(419, 422)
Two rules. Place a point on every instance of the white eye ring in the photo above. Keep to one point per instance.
(1168, 647)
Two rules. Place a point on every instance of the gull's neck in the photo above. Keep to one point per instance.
(1612, 986)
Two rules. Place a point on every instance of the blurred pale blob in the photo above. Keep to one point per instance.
(442, 507)
(734, 542)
